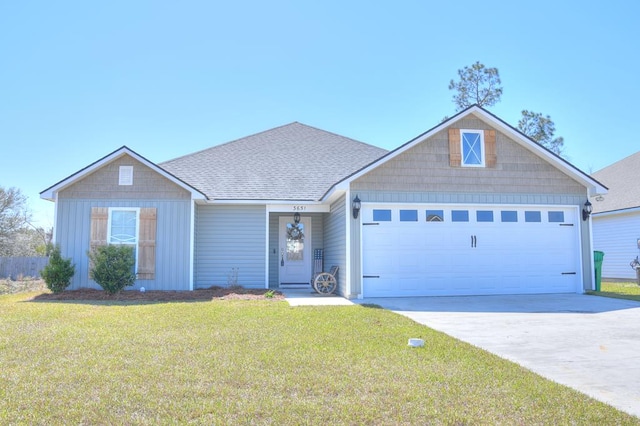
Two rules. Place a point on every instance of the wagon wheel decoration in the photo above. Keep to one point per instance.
(295, 233)
(325, 283)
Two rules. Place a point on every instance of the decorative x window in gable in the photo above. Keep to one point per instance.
(472, 148)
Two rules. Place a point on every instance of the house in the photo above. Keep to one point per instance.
(616, 218)
(470, 207)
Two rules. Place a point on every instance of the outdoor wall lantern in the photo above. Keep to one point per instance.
(356, 207)
(296, 218)
(586, 211)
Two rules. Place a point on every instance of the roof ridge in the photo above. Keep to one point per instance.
(228, 142)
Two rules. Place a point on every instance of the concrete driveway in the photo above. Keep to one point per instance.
(589, 343)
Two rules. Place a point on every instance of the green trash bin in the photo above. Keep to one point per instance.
(598, 256)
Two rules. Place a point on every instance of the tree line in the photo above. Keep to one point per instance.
(18, 236)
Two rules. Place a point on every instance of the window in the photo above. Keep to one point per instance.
(408, 215)
(125, 176)
(556, 216)
(509, 216)
(382, 215)
(460, 215)
(484, 216)
(435, 216)
(122, 225)
(532, 216)
(123, 229)
(472, 148)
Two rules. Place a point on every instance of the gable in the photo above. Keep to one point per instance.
(105, 183)
(434, 165)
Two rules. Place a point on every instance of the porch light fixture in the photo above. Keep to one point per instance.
(356, 207)
(586, 211)
(296, 218)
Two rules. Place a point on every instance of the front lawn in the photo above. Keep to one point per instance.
(259, 362)
(621, 290)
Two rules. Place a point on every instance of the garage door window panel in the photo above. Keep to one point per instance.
(556, 217)
(408, 215)
(509, 216)
(382, 215)
(460, 215)
(532, 216)
(435, 215)
(484, 216)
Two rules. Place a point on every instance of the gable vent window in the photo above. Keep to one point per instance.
(125, 177)
(472, 148)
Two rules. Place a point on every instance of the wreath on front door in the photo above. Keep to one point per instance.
(295, 233)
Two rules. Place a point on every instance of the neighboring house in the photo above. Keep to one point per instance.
(616, 217)
(470, 207)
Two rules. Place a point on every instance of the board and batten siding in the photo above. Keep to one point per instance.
(616, 235)
(228, 237)
(335, 245)
(317, 241)
(172, 240)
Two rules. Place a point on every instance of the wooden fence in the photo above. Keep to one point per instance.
(16, 268)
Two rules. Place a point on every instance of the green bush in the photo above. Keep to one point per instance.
(58, 272)
(113, 267)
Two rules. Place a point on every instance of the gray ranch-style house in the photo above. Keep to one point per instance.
(470, 207)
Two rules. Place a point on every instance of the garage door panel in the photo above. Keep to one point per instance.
(440, 258)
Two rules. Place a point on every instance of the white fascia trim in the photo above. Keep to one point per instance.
(48, 194)
(54, 237)
(595, 187)
(266, 249)
(192, 245)
(348, 290)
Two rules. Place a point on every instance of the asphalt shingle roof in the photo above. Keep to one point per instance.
(291, 162)
(623, 180)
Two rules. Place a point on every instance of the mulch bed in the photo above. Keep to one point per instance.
(213, 293)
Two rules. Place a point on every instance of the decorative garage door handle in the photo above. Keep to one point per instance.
(474, 241)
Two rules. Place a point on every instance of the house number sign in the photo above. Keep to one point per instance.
(299, 208)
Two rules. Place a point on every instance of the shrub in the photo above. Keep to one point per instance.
(113, 267)
(58, 272)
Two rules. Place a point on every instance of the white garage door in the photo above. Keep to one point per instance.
(427, 250)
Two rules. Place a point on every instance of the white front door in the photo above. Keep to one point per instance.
(295, 251)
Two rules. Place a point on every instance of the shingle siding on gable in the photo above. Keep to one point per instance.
(103, 184)
(426, 167)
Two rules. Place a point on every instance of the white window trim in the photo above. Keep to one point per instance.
(125, 209)
(482, 148)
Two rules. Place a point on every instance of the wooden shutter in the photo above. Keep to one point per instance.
(99, 224)
(490, 148)
(147, 244)
(455, 156)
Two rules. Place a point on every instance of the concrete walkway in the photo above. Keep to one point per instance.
(589, 343)
(307, 296)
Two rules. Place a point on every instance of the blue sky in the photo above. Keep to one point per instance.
(80, 79)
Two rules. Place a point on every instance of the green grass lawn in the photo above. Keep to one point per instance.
(259, 362)
(628, 290)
